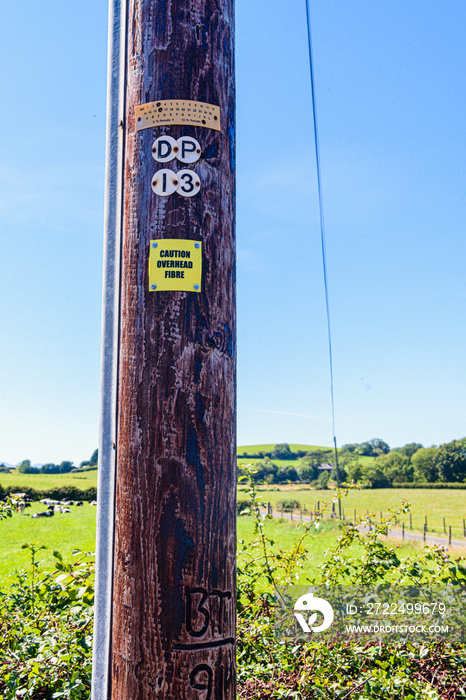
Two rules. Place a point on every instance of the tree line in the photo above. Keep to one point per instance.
(411, 464)
(50, 468)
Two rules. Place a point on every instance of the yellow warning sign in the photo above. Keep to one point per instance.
(175, 265)
(183, 112)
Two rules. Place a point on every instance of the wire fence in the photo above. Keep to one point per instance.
(452, 528)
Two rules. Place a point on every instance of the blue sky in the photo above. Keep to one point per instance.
(390, 81)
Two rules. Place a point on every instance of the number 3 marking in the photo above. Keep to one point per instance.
(189, 183)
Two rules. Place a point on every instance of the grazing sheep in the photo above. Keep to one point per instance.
(60, 509)
(44, 514)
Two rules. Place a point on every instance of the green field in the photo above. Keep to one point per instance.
(66, 532)
(81, 480)
(76, 530)
(255, 449)
(63, 532)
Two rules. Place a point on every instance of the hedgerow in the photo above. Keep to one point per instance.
(57, 492)
(46, 630)
(46, 623)
(342, 669)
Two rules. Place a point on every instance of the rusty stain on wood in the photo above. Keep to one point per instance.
(173, 622)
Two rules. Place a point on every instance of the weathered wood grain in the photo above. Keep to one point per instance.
(174, 578)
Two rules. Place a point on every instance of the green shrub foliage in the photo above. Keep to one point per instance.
(57, 493)
(46, 630)
(46, 621)
(342, 669)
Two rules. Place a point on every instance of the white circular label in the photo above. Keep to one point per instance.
(165, 148)
(189, 183)
(165, 182)
(189, 150)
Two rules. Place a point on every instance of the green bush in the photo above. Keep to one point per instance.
(288, 504)
(57, 493)
(429, 485)
(328, 670)
(243, 506)
(46, 629)
(46, 623)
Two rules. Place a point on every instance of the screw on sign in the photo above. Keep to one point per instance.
(186, 149)
(165, 182)
(175, 265)
(185, 182)
(189, 183)
(189, 150)
(164, 149)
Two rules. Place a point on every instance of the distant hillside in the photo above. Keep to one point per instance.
(257, 449)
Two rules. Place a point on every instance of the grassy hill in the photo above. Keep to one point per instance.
(255, 449)
(79, 479)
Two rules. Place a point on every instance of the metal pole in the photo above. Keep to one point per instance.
(173, 615)
(337, 474)
(449, 534)
(109, 358)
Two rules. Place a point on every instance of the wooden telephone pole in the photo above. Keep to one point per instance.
(172, 622)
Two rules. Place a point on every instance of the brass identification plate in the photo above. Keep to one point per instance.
(175, 265)
(167, 112)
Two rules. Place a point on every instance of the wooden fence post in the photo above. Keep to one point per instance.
(174, 612)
